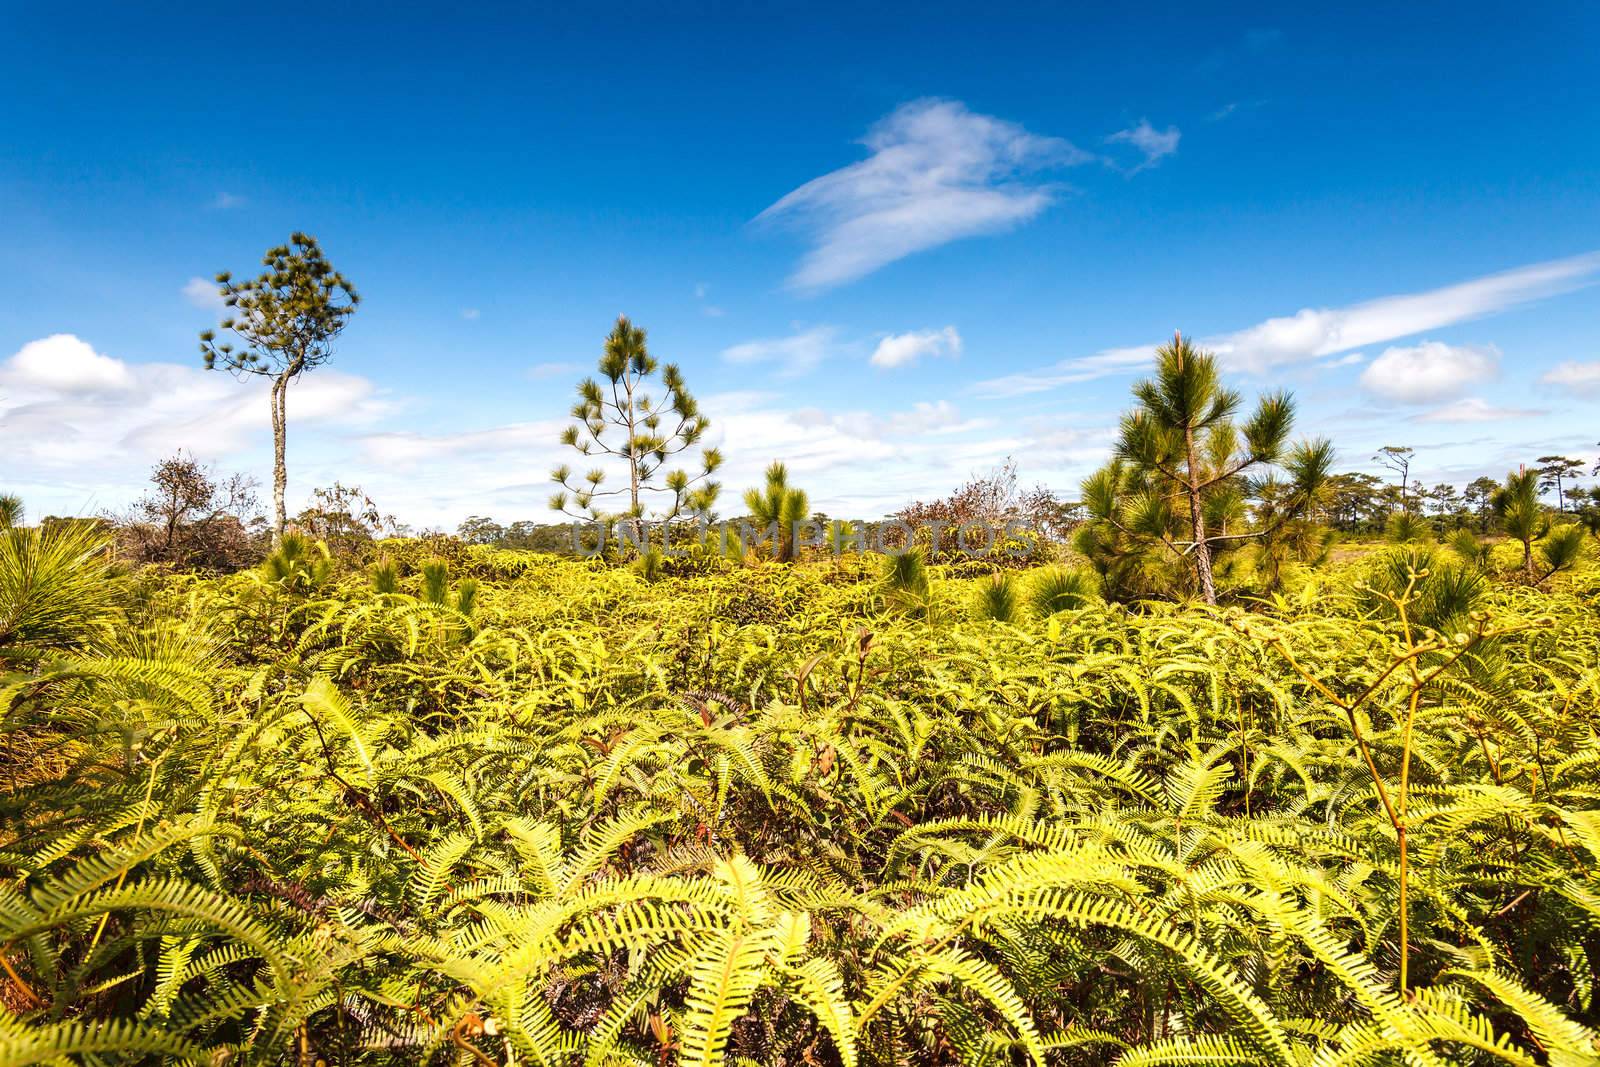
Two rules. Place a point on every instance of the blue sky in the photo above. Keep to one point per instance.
(891, 245)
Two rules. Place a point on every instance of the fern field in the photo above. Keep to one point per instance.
(520, 810)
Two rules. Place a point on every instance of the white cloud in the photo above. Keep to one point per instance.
(74, 447)
(1314, 333)
(794, 355)
(857, 463)
(937, 172)
(203, 294)
(1233, 108)
(210, 413)
(939, 416)
(1429, 372)
(1349, 360)
(63, 364)
(542, 371)
(77, 425)
(904, 349)
(1155, 145)
(923, 419)
(404, 448)
(1574, 375)
(224, 201)
(1082, 369)
(1476, 409)
(471, 314)
(701, 291)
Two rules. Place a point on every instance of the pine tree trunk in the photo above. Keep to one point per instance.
(633, 496)
(1202, 550)
(1527, 560)
(1197, 520)
(280, 472)
(636, 519)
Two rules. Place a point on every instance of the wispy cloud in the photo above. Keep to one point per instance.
(1582, 377)
(401, 447)
(794, 355)
(471, 314)
(1234, 107)
(543, 371)
(856, 463)
(1080, 369)
(937, 172)
(904, 349)
(853, 462)
(1314, 333)
(203, 294)
(1429, 372)
(1349, 359)
(224, 201)
(1476, 409)
(702, 290)
(923, 419)
(1155, 145)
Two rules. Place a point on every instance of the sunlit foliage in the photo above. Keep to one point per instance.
(504, 808)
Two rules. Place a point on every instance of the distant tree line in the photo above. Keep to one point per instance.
(1359, 503)
(523, 534)
(1192, 487)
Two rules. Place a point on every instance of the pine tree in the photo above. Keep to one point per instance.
(644, 436)
(1181, 446)
(1556, 470)
(285, 321)
(1398, 459)
(781, 504)
(1516, 505)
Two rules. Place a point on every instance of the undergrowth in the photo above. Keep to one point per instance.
(523, 810)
